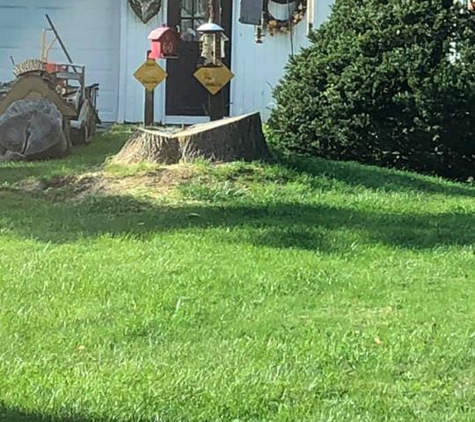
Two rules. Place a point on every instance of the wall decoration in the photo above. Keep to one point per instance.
(146, 9)
(282, 15)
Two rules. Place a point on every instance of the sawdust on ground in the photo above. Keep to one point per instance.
(159, 181)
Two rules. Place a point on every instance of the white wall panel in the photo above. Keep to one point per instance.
(112, 42)
(89, 28)
(259, 67)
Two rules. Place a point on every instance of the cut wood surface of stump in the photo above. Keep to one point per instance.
(226, 140)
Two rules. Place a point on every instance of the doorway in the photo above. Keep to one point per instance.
(185, 96)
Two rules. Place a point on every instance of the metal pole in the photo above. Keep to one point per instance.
(211, 10)
(214, 7)
(58, 37)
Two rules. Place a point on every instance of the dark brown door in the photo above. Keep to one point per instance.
(185, 95)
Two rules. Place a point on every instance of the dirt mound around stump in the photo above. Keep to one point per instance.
(160, 181)
(227, 140)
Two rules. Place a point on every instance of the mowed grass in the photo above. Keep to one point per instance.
(303, 291)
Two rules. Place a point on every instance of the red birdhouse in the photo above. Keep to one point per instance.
(164, 43)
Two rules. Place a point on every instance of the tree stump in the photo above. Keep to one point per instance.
(226, 140)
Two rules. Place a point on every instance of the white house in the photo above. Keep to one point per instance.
(107, 37)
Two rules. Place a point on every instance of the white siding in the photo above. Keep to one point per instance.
(322, 11)
(259, 67)
(112, 42)
(89, 28)
(135, 45)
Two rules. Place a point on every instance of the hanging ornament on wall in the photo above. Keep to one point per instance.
(146, 9)
(282, 15)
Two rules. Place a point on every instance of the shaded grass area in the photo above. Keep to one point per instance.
(300, 291)
(312, 227)
(19, 416)
(84, 159)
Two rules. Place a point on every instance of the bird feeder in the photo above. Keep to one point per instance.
(164, 43)
(212, 43)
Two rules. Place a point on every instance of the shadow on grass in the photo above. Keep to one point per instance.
(11, 415)
(375, 178)
(82, 159)
(14, 415)
(277, 225)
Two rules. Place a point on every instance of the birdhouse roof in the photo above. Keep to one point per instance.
(210, 27)
(158, 33)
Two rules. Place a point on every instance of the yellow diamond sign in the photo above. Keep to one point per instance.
(214, 79)
(150, 75)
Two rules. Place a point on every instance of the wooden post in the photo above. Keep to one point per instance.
(216, 102)
(149, 104)
(216, 106)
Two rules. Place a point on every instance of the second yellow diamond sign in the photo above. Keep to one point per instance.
(214, 79)
(150, 75)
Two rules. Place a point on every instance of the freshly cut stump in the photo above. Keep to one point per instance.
(232, 139)
(149, 146)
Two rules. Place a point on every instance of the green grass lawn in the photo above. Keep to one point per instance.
(306, 291)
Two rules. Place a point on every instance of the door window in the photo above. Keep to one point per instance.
(193, 14)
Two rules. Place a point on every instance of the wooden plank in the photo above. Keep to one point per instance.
(149, 117)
